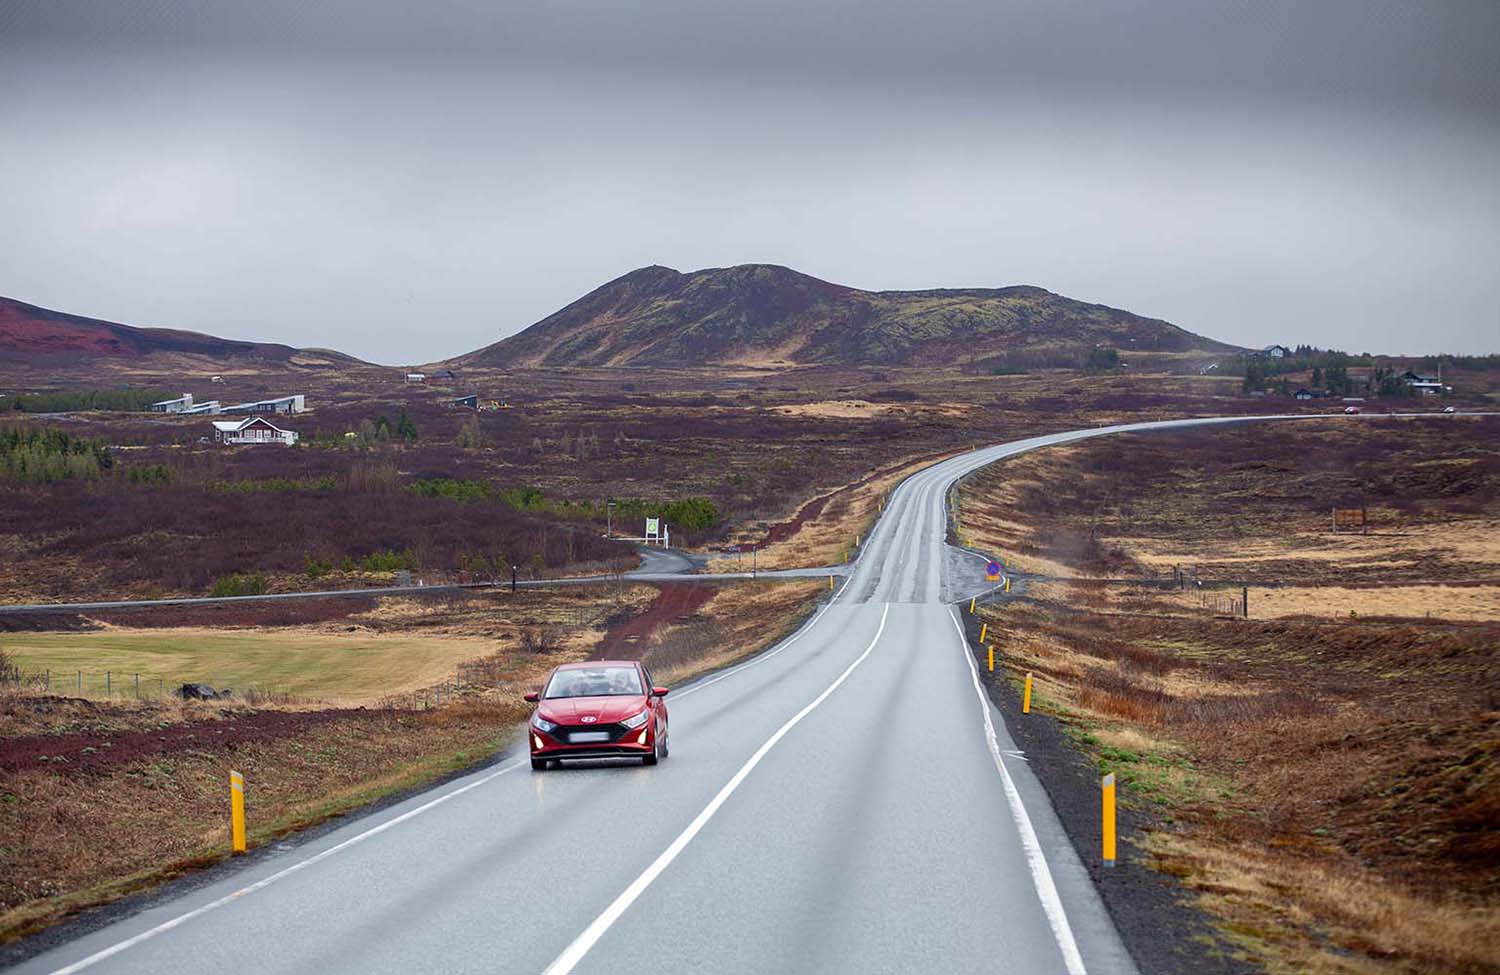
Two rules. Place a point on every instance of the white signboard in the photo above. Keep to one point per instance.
(653, 527)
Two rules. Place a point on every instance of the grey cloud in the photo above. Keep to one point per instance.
(408, 186)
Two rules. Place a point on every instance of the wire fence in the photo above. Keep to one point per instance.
(1211, 595)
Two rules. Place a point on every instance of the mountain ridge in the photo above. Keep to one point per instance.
(771, 315)
(35, 335)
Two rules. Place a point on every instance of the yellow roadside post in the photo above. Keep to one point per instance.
(237, 811)
(1109, 820)
(983, 629)
(1007, 583)
(830, 582)
(971, 603)
(1026, 697)
(992, 660)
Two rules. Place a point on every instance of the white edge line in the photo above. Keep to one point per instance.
(574, 953)
(1041, 874)
(165, 926)
(802, 631)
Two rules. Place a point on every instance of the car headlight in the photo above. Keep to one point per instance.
(542, 724)
(638, 720)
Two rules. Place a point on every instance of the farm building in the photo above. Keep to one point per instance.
(1274, 352)
(444, 374)
(181, 404)
(466, 402)
(252, 430)
(211, 406)
(280, 404)
(416, 377)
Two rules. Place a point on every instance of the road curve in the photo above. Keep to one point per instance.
(847, 801)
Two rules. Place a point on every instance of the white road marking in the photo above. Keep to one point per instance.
(1041, 874)
(767, 655)
(581, 945)
(166, 926)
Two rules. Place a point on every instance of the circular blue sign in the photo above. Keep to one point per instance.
(993, 568)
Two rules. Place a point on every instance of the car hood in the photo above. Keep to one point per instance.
(604, 710)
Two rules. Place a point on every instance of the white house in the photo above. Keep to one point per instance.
(416, 377)
(255, 429)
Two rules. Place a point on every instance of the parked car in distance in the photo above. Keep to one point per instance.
(1351, 410)
(1449, 409)
(598, 709)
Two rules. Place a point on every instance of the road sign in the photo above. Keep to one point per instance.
(992, 572)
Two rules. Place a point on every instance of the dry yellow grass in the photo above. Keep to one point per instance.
(337, 668)
(1438, 602)
(739, 621)
(864, 409)
(829, 537)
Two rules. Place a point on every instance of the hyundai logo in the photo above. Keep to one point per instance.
(589, 719)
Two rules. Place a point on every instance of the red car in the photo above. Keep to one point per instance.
(598, 709)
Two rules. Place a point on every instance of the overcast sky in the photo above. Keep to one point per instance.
(406, 182)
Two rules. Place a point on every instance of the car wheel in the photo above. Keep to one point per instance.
(655, 755)
(666, 744)
(539, 764)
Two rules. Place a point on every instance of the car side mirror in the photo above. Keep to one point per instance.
(660, 691)
(533, 697)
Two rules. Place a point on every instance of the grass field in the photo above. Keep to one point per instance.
(337, 669)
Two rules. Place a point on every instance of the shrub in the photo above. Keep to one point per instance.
(388, 561)
(540, 639)
(250, 584)
(447, 487)
(150, 474)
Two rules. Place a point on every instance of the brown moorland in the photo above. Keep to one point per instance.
(1326, 784)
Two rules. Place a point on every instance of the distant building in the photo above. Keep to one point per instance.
(1274, 352)
(212, 406)
(216, 379)
(446, 374)
(181, 404)
(466, 402)
(252, 430)
(416, 377)
(1305, 394)
(1423, 385)
(281, 404)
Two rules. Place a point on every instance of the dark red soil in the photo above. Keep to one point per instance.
(630, 639)
(76, 754)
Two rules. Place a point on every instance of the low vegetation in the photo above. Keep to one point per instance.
(1326, 782)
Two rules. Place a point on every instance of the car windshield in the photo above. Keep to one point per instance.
(594, 682)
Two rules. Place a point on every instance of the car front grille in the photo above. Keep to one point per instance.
(564, 732)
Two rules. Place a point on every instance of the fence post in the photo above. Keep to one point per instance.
(80, 683)
(1245, 601)
(49, 680)
(237, 811)
(137, 687)
(1109, 819)
(106, 683)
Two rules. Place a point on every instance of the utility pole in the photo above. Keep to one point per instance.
(512, 578)
(609, 519)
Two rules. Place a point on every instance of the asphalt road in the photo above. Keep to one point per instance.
(848, 801)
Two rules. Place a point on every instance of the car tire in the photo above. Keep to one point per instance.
(655, 755)
(666, 744)
(539, 764)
